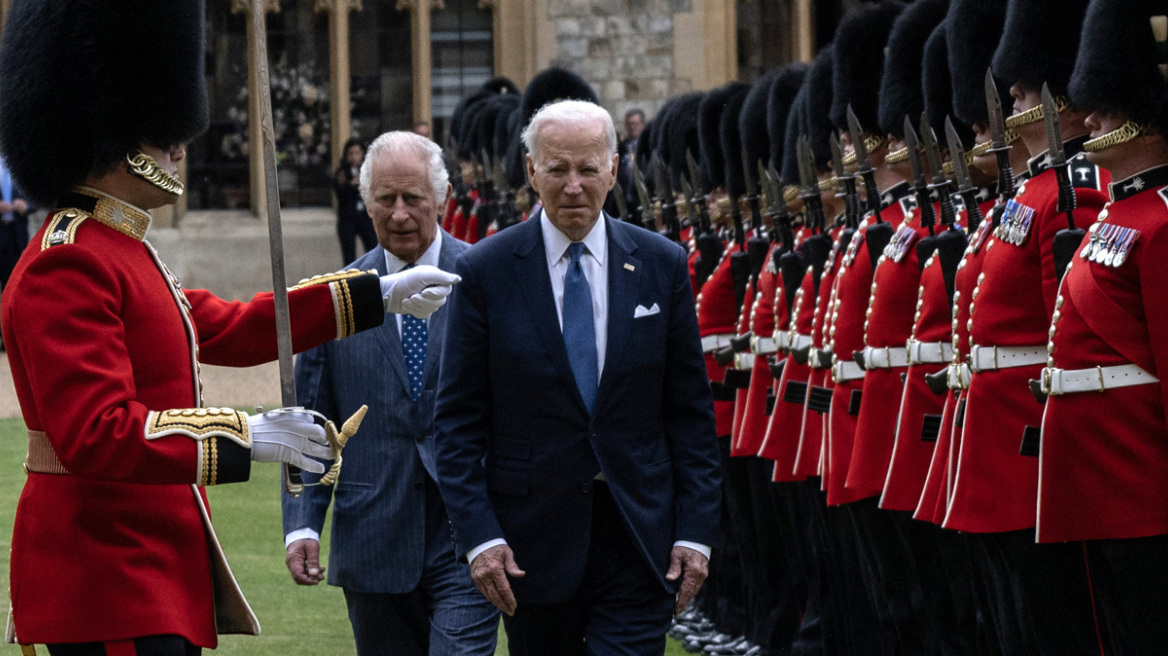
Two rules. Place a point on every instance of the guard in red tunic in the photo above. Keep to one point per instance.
(113, 550)
(995, 485)
(1103, 466)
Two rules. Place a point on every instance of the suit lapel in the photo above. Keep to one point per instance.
(532, 276)
(436, 327)
(387, 333)
(623, 283)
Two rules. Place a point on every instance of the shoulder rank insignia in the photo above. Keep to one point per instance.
(1015, 225)
(900, 244)
(1084, 174)
(853, 248)
(908, 204)
(62, 228)
(1109, 244)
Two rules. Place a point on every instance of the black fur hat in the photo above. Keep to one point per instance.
(492, 87)
(645, 146)
(819, 95)
(552, 84)
(796, 127)
(683, 136)
(1118, 67)
(752, 122)
(732, 141)
(859, 62)
(779, 103)
(506, 131)
(659, 139)
(938, 87)
(514, 162)
(486, 121)
(900, 87)
(83, 83)
(1039, 43)
(713, 163)
(971, 51)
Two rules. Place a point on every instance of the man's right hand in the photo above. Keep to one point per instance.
(303, 561)
(490, 570)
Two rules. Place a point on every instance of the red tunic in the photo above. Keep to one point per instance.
(1104, 464)
(995, 488)
(716, 317)
(853, 286)
(762, 324)
(101, 342)
(889, 323)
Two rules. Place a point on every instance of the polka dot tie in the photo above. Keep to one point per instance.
(414, 335)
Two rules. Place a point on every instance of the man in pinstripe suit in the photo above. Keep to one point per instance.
(392, 550)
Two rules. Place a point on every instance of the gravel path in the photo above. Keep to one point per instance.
(222, 386)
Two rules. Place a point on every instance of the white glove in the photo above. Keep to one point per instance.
(288, 435)
(419, 290)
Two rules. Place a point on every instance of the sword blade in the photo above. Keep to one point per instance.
(259, 50)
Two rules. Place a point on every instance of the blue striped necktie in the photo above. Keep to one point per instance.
(579, 327)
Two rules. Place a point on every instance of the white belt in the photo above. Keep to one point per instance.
(798, 341)
(711, 343)
(1097, 379)
(813, 358)
(782, 339)
(763, 345)
(959, 376)
(885, 357)
(991, 358)
(846, 370)
(929, 352)
(744, 361)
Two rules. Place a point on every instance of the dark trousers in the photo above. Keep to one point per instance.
(348, 230)
(165, 645)
(1041, 595)
(739, 509)
(850, 576)
(1130, 580)
(444, 615)
(723, 597)
(781, 592)
(620, 609)
(821, 617)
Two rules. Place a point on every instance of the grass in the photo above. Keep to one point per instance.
(296, 621)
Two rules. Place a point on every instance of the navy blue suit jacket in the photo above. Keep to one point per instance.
(378, 533)
(517, 450)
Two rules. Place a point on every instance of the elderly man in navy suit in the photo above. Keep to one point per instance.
(574, 426)
(391, 551)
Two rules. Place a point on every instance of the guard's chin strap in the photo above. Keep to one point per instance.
(144, 166)
(1122, 134)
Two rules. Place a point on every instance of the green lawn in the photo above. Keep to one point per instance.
(296, 621)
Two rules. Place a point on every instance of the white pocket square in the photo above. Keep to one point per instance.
(643, 311)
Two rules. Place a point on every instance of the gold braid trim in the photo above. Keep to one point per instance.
(897, 156)
(330, 277)
(1122, 134)
(147, 168)
(1035, 114)
(871, 143)
(343, 302)
(54, 236)
(117, 214)
(200, 424)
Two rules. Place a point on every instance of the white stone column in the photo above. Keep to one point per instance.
(420, 53)
(340, 72)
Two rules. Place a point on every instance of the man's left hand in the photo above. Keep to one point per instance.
(692, 567)
(20, 206)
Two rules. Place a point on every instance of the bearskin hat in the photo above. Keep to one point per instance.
(819, 96)
(859, 62)
(551, 85)
(713, 162)
(732, 141)
(796, 127)
(683, 137)
(486, 122)
(752, 123)
(1119, 65)
(83, 83)
(971, 51)
(1039, 42)
(900, 86)
(938, 86)
(493, 87)
(779, 103)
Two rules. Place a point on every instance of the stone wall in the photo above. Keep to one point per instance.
(624, 48)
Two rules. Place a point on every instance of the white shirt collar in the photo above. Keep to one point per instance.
(556, 243)
(393, 263)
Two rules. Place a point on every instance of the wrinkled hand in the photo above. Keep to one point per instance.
(20, 206)
(5, 207)
(419, 291)
(490, 570)
(303, 560)
(288, 436)
(693, 568)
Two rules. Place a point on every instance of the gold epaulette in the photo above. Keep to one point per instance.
(62, 228)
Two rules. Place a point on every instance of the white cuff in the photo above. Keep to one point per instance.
(301, 534)
(700, 548)
(474, 553)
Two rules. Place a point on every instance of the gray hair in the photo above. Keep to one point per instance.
(401, 143)
(570, 111)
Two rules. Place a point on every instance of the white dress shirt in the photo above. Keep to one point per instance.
(555, 245)
(393, 264)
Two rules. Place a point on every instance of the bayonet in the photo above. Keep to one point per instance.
(1057, 156)
(488, 199)
(668, 199)
(937, 169)
(621, 207)
(1001, 147)
(919, 182)
(810, 185)
(647, 214)
(845, 184)
(752, 197)
(782, 216)
(699, 197)
(965, 186)
(864, 165)
(687, 194)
